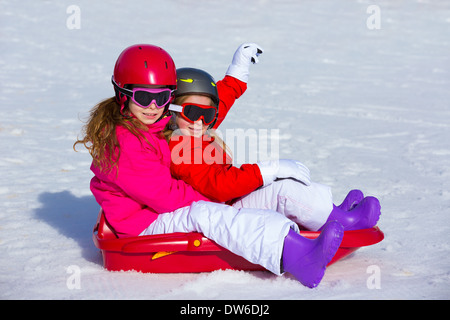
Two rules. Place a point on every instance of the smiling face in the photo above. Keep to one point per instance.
(148, 115)
(198, 128)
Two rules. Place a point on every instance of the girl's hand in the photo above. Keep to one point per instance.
(282, 169)
(246, 54)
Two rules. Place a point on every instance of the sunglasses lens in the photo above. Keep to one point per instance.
(193, 113)
(145, 98)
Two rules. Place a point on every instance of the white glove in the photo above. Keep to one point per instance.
(246, 53)
(280, 169)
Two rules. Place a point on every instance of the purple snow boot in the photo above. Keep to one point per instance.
(306, 259)
(364, 215)
(353, 198)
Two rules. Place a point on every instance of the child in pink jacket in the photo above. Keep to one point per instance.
(134, 187)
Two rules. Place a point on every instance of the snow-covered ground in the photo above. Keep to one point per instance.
(362, 107)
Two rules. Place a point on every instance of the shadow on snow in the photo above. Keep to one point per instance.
(73, 217)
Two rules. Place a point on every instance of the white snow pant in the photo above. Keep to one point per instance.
(308, 206)
(254, 234)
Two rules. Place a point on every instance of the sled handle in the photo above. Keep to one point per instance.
(176, 242)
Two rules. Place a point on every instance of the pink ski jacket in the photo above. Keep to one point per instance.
(144, 186)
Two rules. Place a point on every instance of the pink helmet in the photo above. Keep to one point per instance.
(145, 64)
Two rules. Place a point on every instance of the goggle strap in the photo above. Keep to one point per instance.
(175, 107)
(122, 90)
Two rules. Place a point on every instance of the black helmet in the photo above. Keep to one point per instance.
(196, 81)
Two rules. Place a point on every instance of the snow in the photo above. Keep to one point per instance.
(362, 108)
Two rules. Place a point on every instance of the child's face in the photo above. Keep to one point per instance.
(147, 115)
(196, 129)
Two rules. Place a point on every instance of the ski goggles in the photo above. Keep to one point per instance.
(144, 97)
(193, 112)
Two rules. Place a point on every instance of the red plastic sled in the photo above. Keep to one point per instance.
(193, 252)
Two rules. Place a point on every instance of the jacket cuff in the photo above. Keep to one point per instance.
(268, 170)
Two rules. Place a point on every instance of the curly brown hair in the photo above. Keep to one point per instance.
(99, 133)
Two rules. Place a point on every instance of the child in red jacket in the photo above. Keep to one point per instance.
(262, 224)
(199, 158)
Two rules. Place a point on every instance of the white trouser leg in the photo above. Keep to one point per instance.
(308, 206)
(255, 234)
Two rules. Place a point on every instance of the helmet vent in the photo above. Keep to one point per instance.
(167, 66)
(145, 64)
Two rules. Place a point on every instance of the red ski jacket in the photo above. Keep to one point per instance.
(203, 163)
